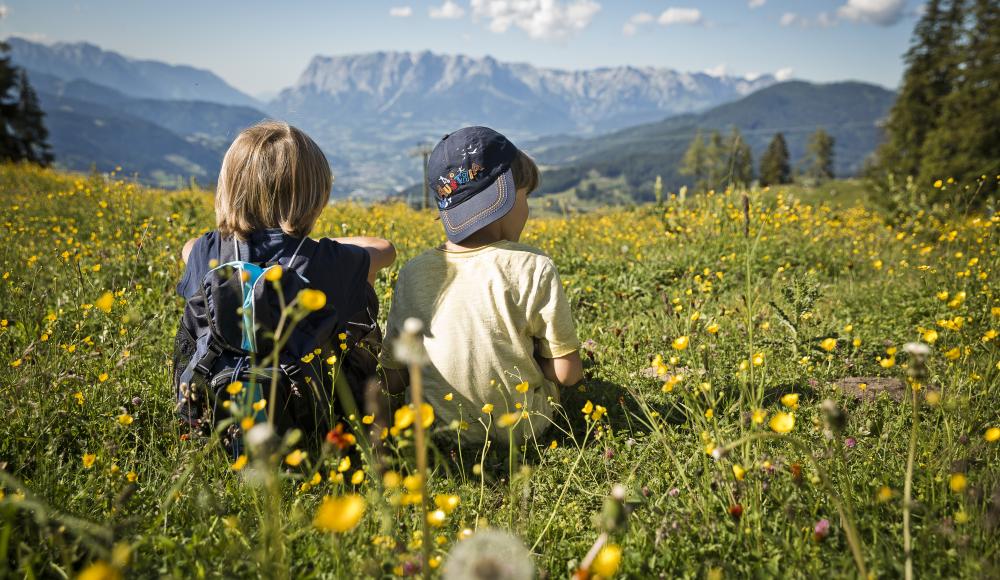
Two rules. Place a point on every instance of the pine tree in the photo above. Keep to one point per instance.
(819, 156)
(930, 71)
(23, 136)
(740, 159)
(716, 166)
(8, 105)
(775, 168)
(29, 124)
(693, 163)
(965, 144)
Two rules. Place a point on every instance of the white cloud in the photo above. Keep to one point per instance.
(825, 20)
(448, 11)
(635, 22)
(880, 12)
(401, 12)
(717, 71)
(791, 19)
(674, 15)
(542, 19)
(3, 11)
(756, 3)
(783, 74)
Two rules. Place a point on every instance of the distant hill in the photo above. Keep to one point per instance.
(165, 142)
(84, 135)
(137, 78)
(850, 111)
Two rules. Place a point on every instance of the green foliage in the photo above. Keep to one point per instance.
(850, 111)
(819, 159)
(775, 167)
(944, 123)
(638, 279)
(23, 136)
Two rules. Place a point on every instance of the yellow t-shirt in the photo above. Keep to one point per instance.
(485, 312)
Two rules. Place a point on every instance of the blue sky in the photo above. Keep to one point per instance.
(261, 46)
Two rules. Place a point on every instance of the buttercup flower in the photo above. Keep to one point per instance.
(607, 561)
(782, 422)
(312, 300)
(791, 400)
(340, 514)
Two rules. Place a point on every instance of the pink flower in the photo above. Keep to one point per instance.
(821, 530)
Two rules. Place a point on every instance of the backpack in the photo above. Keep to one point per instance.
(224, 358)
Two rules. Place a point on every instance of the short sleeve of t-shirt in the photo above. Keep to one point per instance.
(551, 320)
(341, 270)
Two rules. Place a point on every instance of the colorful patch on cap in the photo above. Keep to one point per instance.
(455, 179)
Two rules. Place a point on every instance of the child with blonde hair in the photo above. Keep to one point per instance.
(273, 185)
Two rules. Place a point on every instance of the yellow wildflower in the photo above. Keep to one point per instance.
(296, 457)
(340, 514)
(312, 300)
(782, 422)
(791, 400)
(273, 274)
(508, 419)
(607, 561)
(105, 302)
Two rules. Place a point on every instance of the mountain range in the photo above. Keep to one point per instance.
(366, 111)
(849, 111)
(138, 78)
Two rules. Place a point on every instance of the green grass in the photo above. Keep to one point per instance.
(815, 265)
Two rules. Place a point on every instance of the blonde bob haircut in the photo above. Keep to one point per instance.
(273, 176)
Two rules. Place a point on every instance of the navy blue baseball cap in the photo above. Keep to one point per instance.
(470, 172)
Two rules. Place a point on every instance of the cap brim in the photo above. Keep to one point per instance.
(482, 209)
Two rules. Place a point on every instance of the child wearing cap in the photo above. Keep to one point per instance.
(498, 329)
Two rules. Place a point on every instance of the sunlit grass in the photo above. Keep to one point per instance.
(707, 330)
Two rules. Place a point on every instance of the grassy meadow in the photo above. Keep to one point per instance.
(748, 384)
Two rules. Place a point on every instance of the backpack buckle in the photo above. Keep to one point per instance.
(204, 366)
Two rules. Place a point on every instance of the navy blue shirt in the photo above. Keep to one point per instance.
(339, 270)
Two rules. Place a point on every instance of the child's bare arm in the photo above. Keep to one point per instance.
(563, 370)
(382, 252)
(186, 250)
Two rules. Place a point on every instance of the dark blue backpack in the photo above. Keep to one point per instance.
(225, 359)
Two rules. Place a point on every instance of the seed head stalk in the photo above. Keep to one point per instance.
(841, 503)
(417, 392)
